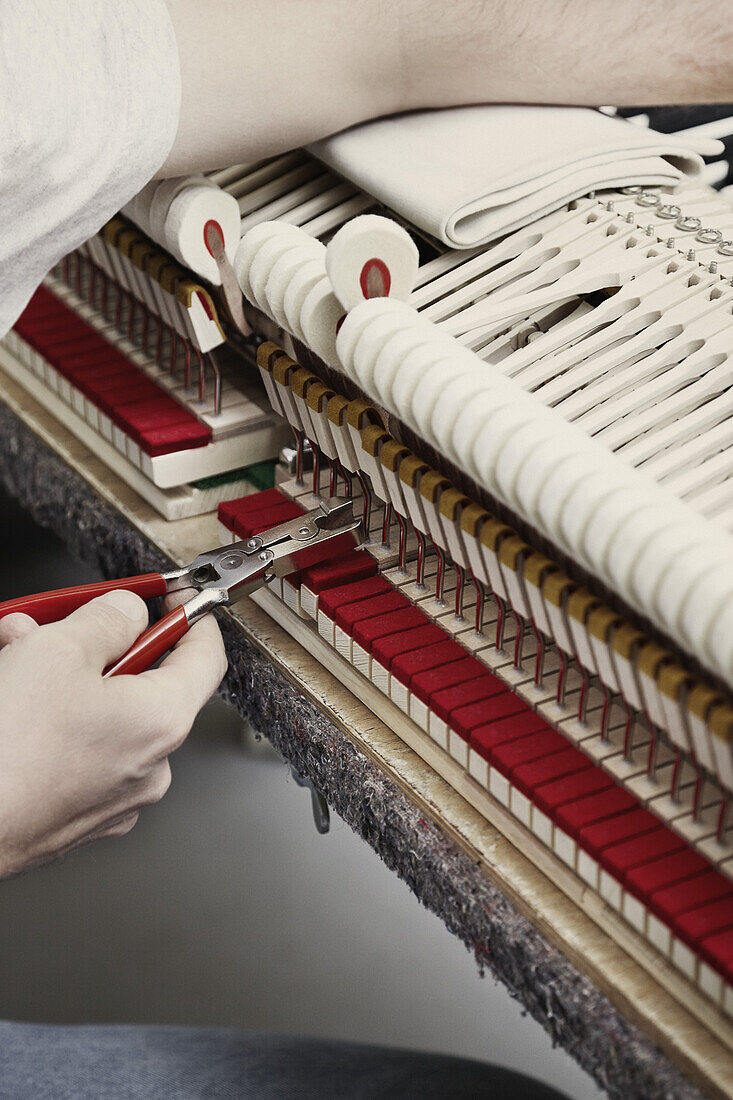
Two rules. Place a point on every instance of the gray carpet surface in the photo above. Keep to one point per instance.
(566, 1004)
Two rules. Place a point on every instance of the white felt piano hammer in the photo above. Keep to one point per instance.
(371, 257)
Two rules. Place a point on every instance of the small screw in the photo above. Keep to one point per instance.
(264, 556)
(250, 544)
(303, 531)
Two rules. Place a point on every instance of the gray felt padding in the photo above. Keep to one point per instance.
(567, 1005)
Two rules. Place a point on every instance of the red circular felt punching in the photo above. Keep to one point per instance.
(375, 279)
(213, 227)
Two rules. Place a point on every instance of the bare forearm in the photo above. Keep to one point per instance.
(262, 76)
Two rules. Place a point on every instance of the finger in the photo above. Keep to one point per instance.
(188, 677)
(106, 627)
(15, 626)
(118, 826)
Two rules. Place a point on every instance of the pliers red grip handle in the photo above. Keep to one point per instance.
(50, 607)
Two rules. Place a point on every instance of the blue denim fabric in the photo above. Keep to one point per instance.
(39, 1062)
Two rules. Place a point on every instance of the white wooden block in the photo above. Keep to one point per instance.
(342, 642)
(326, 628)
(119, 439)
(91, 415)
(728, 999)
(634, 912)
(478, 767)
(438, 730)
(226, 537)
(610, 890)
(499, 787)
(658, 934)
(105, 426)
(541, 826)
(133, 452)
(565, 847)
(419, 713)
(51, 377)
(379, 676)
(400, 695)
(360, 659)
(291, 596)
(308, 602)
(588, 868)
(710, 983)
(77, 401)
(684, 959)
(458, 748)
(520, 806)
(65, 390)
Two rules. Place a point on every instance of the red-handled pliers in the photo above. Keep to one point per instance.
(220, 576)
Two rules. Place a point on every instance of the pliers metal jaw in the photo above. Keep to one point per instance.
(220, 576)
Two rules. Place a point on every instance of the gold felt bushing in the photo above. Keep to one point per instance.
(301, 379)
(580, 604)
(372, 439)
(557, 588)
(318, 395)
(452, 503)
(432, 484)
(336, 409)
(511, 551)
(602, 621)
(411, 470)
(392, 454)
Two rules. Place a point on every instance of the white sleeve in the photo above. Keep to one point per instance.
(89, 106)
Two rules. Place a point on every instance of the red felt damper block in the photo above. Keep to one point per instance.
(385, 650)
(52, 345)
(177, 437)
(620, 858)
(367, 631)
(231, 510)
(113, 397)
(486, 738)
(81, 366)
(152, 413)
(253, 523)
(343, 594)
(506, 704)
(429, 682)
(673, 901)
(717, 950)
(443, 703)
(528, 777)
(574, 816)
(533, 773)
(310, 556)
(550, 796)
(644, 880)
(349, 614)
(40, 333)
(42, 304)
(604, 834)
(444, 652)
(695, 925)
(511, 754)
(337, 571)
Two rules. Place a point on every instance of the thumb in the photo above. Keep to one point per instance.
(15, 626)
(106, 627)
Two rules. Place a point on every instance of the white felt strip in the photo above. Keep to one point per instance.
(470, 174)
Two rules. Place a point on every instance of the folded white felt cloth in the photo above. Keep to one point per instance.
(470, 174)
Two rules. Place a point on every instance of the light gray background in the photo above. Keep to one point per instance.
(224, 906)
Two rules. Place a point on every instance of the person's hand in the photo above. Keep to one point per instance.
(80, 755)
